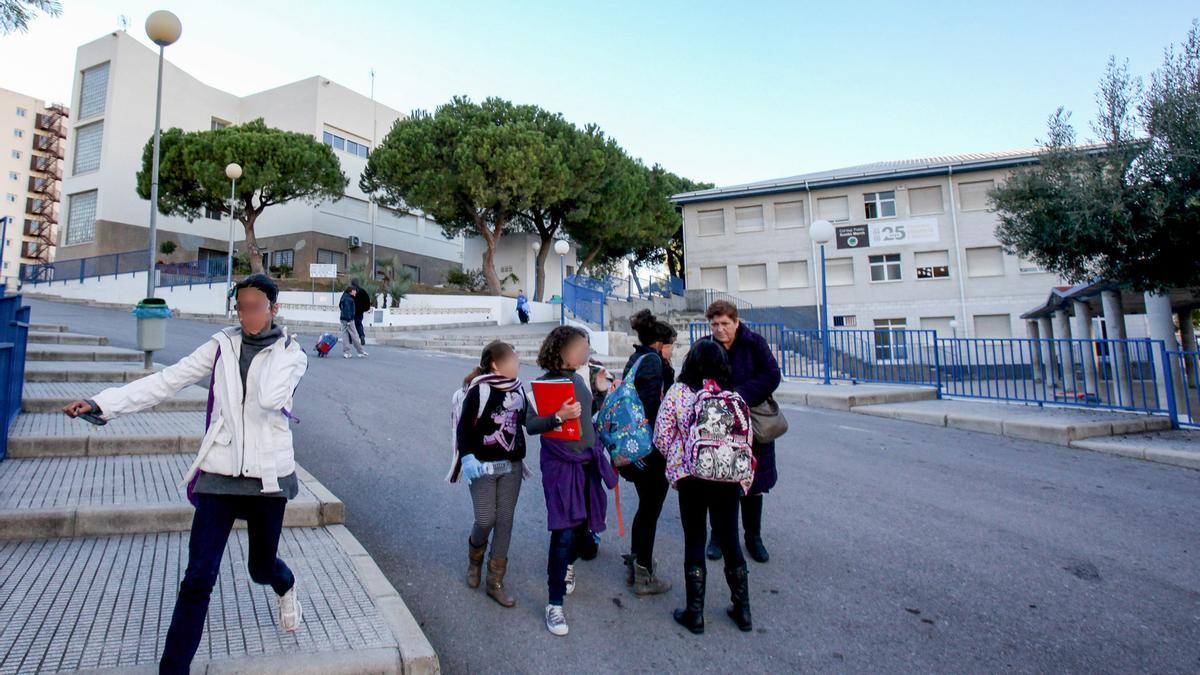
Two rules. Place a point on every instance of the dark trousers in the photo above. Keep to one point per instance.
(362, 334)
(752, 509)
(211, 525)
(566, 546)
(701, 501)
(652, 487)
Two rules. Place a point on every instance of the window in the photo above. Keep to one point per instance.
(283, 257)
(414, 273)
(885, 267)
(793, 274)
(839, 271)
(93, 90)
(16, 154)
(11, 198)
(890, 344)
(81, 218)
(834, 209)
(396, 220)
(789, 214)
(21, 112)
(752, 277)
(327, 138)
(19, 133)
(212, 214)
(880, 204)
(348, 207)
(716, 278)
(712, 222)
(986, 261)
(325, 257)
(845, 321)
(13, 175)
(993, 326)
(87, 147)
(941, 324)
(1026, 266)
(974, 196)
(933, 264)
(340, 143)
(925, 201)
(748, 218)
(217, 123)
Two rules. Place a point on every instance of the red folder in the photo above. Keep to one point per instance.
(550, 396)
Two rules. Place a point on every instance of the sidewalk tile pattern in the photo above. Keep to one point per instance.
(146, 424)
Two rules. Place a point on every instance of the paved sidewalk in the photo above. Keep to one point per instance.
(844, 396)
(50, 397)
(1179, 447)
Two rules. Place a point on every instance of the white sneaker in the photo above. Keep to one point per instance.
(290, 612)
(570, 579)
(346, 355)
(556, 620)
(362, 355)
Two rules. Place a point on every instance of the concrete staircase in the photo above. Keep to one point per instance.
(94, 540)
(526, 339)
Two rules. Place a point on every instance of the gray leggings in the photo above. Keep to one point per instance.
(495, 499)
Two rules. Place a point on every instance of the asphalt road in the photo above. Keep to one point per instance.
(896, 547)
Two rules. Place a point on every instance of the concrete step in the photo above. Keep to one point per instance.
(60, 338)
(123, 590)
(95, 496)
(56, 435)
(80, 352)
(526, 356)
(47, 397)
(48, 328)
(84, 371)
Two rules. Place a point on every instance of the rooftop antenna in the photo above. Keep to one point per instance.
(124, 21)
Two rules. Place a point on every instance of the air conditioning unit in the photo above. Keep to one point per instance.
(353, 242)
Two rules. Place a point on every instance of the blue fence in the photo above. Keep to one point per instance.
(194, 273)
(14, 336)
(1188, 409)
(63, 271)
(584, 297)
(888, 356)
(711, 296)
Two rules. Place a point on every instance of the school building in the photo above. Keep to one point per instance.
(915, 246)
(114, 94)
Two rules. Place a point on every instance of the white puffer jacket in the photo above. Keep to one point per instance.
(248, 437)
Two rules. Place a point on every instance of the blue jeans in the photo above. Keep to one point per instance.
(211, 526)
(567, 546)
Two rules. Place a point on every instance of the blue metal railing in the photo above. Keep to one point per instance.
(773, 333)
(881, 355)
(585, 297)
(1188, 408)
(63, 271)
(711, 296)
(193, 273)
(14, 337)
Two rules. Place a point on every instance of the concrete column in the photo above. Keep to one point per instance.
(1063, 351)
(1187, 341)
(1087, 350)
(1035, 349)
(1046, 349)
(1162, 327)
(1118, 351)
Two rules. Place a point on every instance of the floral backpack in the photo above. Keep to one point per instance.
(721, 439)
(623, 427)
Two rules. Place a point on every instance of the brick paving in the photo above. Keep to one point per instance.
(72, 482)
(71, 604)
(146, 424)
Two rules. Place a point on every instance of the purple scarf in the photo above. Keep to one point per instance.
(576, 485)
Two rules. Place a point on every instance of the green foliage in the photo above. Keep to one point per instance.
(366, 280)
(167, 247)
(468, 280)
(15, 15)
(1127, 208)
(397, 282)
(277, 167)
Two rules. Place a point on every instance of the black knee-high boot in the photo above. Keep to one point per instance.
(739, 594)
(692, 617)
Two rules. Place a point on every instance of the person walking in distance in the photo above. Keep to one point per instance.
(244, 469)
(362, 305)
(347, 307)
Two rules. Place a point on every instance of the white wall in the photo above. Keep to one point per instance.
(516, 251)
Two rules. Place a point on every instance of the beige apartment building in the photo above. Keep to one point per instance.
(915, 246)
(33, 141)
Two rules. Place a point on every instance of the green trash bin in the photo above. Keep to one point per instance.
(152, 315)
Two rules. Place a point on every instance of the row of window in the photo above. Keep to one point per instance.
(985, 325)
(922, 201)
(983, 261)
(345, 144)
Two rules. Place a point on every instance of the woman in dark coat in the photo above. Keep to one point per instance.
(756, 376)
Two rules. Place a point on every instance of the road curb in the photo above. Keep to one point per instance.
(417, 656)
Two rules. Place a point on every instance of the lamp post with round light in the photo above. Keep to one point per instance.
(561, 247)
(163, 28)
(233, 171)
(822, 233)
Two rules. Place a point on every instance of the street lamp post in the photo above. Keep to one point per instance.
(233, 171)
(822, 232)
(163, 28)
(561, 247)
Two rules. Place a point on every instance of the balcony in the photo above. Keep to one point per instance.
(47, 165)
(51, 124)
(46, 188)
(48, 144)
(42, 209)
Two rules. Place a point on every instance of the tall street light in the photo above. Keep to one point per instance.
(561, 247)
(163, 28)
(822, 233)
(233, 171)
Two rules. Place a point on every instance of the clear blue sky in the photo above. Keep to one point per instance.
(718, 91)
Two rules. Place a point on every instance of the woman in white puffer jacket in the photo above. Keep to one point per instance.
(245, 467)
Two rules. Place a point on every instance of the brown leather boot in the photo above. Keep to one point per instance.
(495, 582)
(474, 563)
